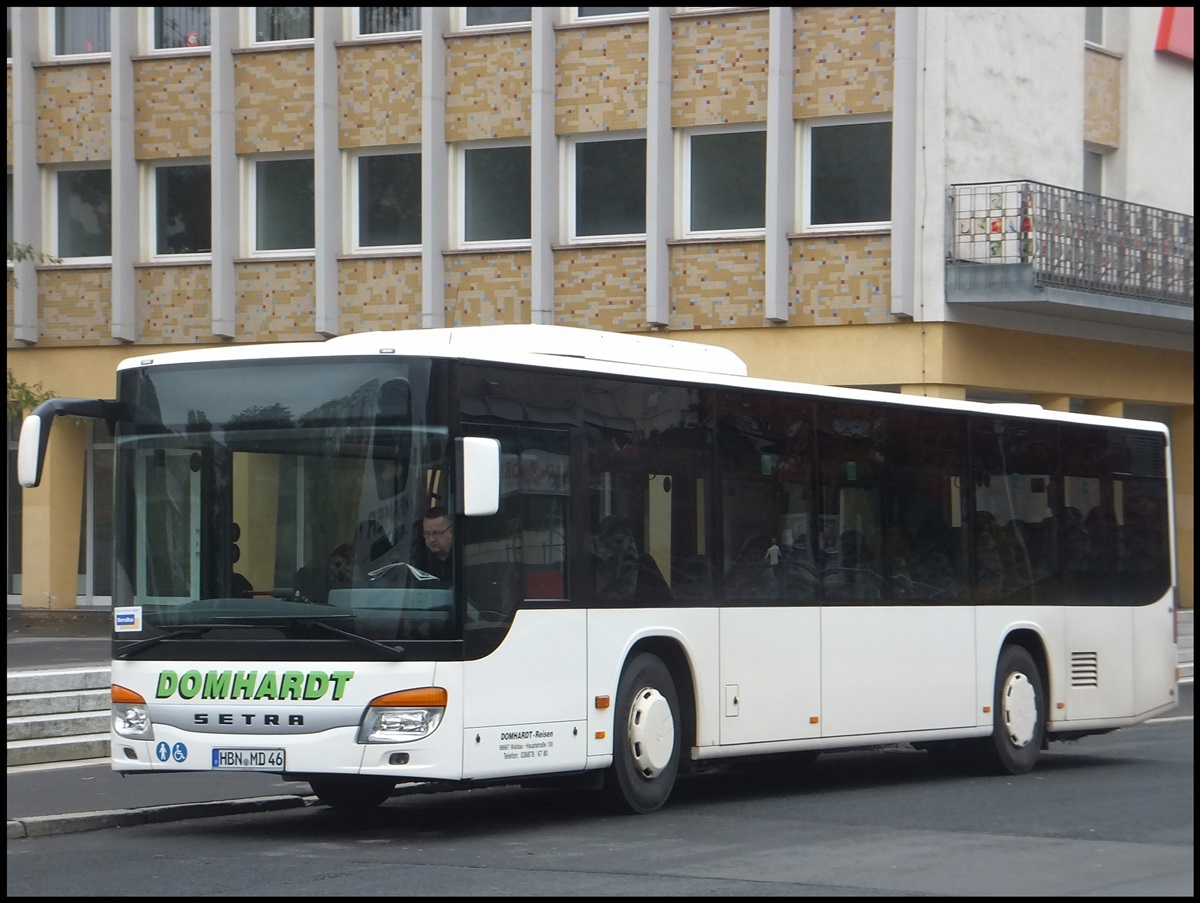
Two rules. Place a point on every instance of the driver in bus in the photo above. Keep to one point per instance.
(438, 532)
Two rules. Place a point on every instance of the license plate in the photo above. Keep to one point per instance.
(247, 759)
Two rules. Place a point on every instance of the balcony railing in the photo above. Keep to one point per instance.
(1074, 240)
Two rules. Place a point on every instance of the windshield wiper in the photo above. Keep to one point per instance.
(195, 629)
(394, 651)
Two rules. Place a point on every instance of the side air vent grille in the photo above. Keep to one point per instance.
(1085, 669)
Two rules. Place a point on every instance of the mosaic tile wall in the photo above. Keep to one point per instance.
(74, 108)
(487, 288)
(720, 285)
(379, 293)
(602, 288)
(275, 101)
(488, 87)
(275, 299)
(1102, 100)
(73, 307)
(174, 304)
(379, 94)
(601, 78)
(840, 281)
(172, 108)
(719, 69)
(843, 57)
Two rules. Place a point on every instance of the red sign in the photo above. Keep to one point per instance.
(1175, 32)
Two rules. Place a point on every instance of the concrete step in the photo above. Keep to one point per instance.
(57, 680)
(58, 715)
(58, 702)
(47, 727)
(65, 749)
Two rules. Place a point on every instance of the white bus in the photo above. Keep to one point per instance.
(976, 580)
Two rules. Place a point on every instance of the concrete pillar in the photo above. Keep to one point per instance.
(934, 390)
(50, 523)
(1052, 402)
(1106, 407)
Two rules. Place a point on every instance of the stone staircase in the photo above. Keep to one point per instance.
(58, 716)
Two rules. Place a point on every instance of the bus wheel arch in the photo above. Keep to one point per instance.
(1019, 706)
(652, 726)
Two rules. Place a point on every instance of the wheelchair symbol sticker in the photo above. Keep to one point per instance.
(178, 752)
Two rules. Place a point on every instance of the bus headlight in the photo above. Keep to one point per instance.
(130, 715)
(403, 716)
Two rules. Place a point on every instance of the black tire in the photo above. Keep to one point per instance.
(646, 738)
(1018, 714)
(351, 792)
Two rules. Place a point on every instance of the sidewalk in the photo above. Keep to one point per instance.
(64, 799)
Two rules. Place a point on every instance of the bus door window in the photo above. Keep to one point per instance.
(765, 455)
(850, 451)
(646, 485)
(1017, 519)
(924, 545)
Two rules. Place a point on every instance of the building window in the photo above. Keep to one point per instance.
(482, 16)
(83, 212)
(389, 199)
(80, 29)
(388, 19)
(1093, 171)
(183, 209)
(1093, 25)
(181, 26)
(282, 23)
(495, 193)
(849, 175)
(608, 12)
(609, 188)
(726, 177)
(284, 205)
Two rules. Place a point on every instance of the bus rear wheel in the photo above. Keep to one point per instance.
(646, 737)
(350, 791)
(1018, 714)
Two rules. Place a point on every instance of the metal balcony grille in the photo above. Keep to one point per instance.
(1075, 240)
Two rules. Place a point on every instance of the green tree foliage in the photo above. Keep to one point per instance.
(23, 397)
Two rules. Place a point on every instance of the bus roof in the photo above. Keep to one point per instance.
(591, 350)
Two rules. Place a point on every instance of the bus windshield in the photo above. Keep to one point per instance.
(285, 499)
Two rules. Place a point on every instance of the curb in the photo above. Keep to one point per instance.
(78, 822)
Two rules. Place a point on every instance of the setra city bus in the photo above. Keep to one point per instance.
(656, 561)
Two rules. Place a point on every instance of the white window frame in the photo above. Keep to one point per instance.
(354, 22)
(146, 26)
(576, 19)
(804, 175)
(460, 18)
(149, 175)
(250, 207)
(51, 31)
(352, 197)
(568, 161)
(683, 188)
(50, 187)
(250, 32)
(459, 191)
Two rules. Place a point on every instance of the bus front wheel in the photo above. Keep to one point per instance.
(351, 792)
(1018, 714)
(646, 737)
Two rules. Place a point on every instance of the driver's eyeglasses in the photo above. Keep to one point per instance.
(429, 534)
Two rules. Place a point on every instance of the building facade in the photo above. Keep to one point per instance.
(989, 203)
